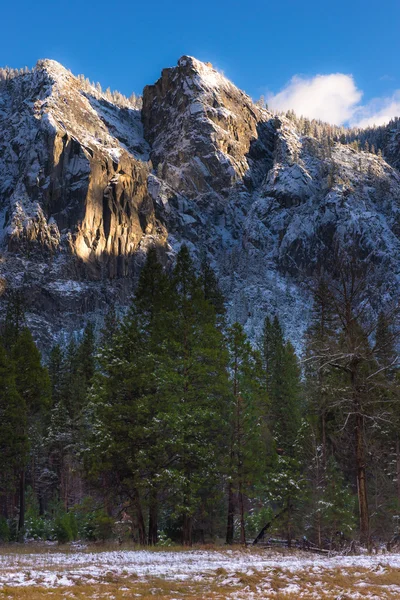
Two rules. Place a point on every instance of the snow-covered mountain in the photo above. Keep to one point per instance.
(88, 185)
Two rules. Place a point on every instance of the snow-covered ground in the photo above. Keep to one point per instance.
(299, 575)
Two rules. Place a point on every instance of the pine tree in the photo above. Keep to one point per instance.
(211, 290)
(60, 430)
(118, 442)
(151, 311)
(321, 381)
(55, 372)
(33, 386)
(14, 443)
(358, 398)
(199, 388)
(248, 425)
(110, 327)
(15, 319)
(385, 352)
(86, 356)
(158, 394)
(72, 390)
(283, 385)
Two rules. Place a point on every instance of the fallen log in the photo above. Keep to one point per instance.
(268, 525)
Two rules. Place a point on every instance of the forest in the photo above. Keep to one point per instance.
(170, 426)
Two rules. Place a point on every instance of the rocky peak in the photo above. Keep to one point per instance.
(206, 135)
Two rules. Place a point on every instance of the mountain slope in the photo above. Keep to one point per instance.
(87, 186)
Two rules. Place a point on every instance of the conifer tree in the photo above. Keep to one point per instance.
(211, 290)
(110, 327)
(14, 443)
(55, 372)
(248, 427)
(33, 386)
(358, 398)
(283, 385)
(388, 363)
(60, 431)
(86, 356)
(15, 319)
(151, 311)
(320, 380)
(199, 388)
(159, 393)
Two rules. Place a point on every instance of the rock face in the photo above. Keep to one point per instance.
(74, 202)
(206, 135)
(74, 170)
(86, 186)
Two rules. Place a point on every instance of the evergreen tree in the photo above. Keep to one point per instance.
(13, 432)
(33, 386)
(387, 443)
(55, 372)
(321, 382)
(199, 388)
(159, 392)
(110, 327)
(283, 385)
(151, 311)
(211, 290)
(15, 319)
(86, 356)
(248, 426)
(358, 397)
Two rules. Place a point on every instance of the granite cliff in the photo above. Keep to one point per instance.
(87, 186)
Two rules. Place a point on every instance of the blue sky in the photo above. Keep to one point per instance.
(260, 45)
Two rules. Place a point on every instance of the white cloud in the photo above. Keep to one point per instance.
(332, 98)
(378, 111)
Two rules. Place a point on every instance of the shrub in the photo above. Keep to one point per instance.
(65, 528)
(97, 526)
(164, 540)
(103, 526)
(39, 528)
(93, 522)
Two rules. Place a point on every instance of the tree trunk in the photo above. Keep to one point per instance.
(242, 523)
(230, 527)
(361, 480)
(289, 525)
(21, 520)
(398, 468)
(323, 423)
(153, 518)
(319, 531)
(140, 521)
(187, 530)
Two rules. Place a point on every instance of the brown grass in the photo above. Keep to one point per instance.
(270, 582)
(338, 583)
(40, 547)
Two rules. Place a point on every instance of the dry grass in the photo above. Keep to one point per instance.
(40, 547)
(379, 582)
(121, 590)
(344, 584)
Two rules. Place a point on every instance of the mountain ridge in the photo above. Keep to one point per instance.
(87, 186)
